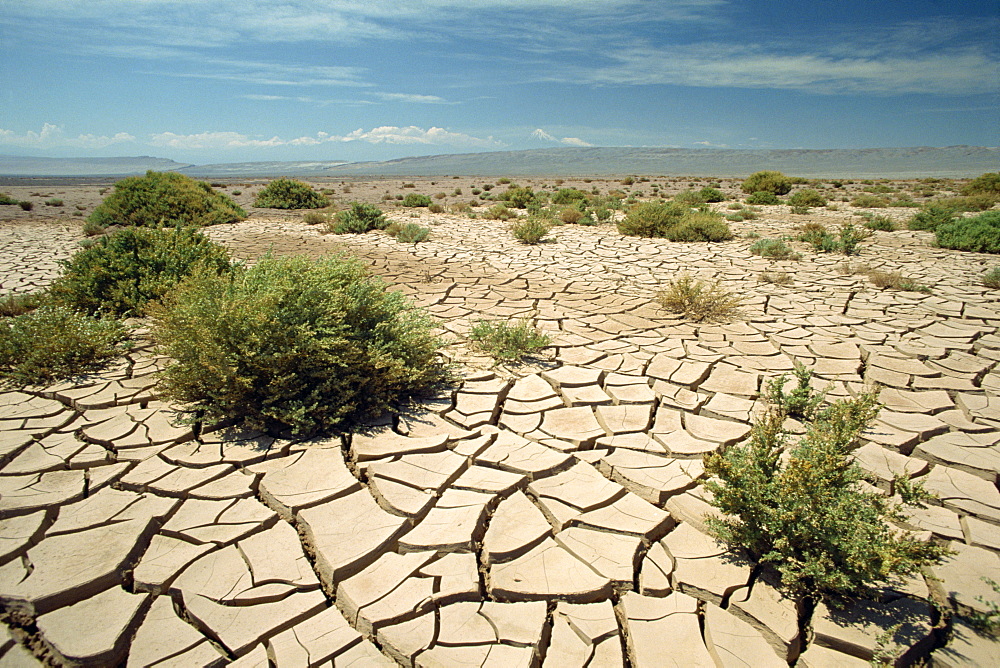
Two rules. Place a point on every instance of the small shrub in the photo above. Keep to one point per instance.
(289, 344)
(698, 300)
(26, 205)
(763, 197)
(775, 277)
(7, 200)
(689, 198)
(979, 234)
(55, 342)
(969, 202)
(799, 210)
(289, 194)
(435, 208)
(711, 195)
(700, 226)
(508, 342)
(879, 223)
(237, 192)
(531, 230)
(440, 195)
(773, 249)
(503, 181)
(985, 184)
(499, 212)
(54, 201)
(800, 507)
(570, 214)
(414, 200)
(652, 219)
(360, 218)
(775, 183)
(123, 272)
(164, 197)
(896, 281)
(411, 233)
(315, 218)
(19, 304)
(931, 216)
(869, 202)
(570, 196)
(806, 197)
(992, 278)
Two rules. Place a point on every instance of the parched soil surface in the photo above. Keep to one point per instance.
(541, 514)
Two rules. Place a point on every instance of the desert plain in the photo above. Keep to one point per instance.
(547, 513)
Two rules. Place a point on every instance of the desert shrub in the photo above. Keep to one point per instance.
(19, 304)
(806, 197)
(801, 508)
(414, 200)
(762, 197)
(931, 216)
(440, 195)
(519, 197)
(851, 238)
(499, 212)
(164, 197)
(289, 194)
(980, 202)
(26, 205)
(292, 344)
(503, 181)
(358, 219)
(435, 208)
(507, 342)
(92, 229)
(531, 230)
(56, 342)
(992, 278)
(7, 200)
(774, 249)
(570, 214)
(817, 236)
(775, 277)
(775, 183)
(315, 218)
(903, 201)
(698, 300)
(652, 219)
(880, 223)
(54, 201)
(869, 202)
(984, 184)
(570, 196)
(980, 234)
(411, 233)
(896, 281)
(710, 194)
(123, 272)
(700, 226)
(689, 198)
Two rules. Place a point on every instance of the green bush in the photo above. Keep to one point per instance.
(499, 212)
(54, 201)
(360, 218)
(978, 202)
(710, 194)
(985, 184)
(806, 197)
(880, 223)
(570, 196)
(164, 197)
(289, 194)
(125, 271)
(931, 216)
(315, 218)
(869, 202)
(980, 234)
(775, 183)
(292, 344)
(6, 200)
(698, 300)
(850, 238)
(26, 205)
(801, 508)
(507, 342)
(570, 214)
(652, 219)
(773, 249)
(54, 342)
(700, 226)
(530, 230)
(763, 197)
(992, 278)
(689, 198)
(411, 233)
(19, 304)
(414, 200)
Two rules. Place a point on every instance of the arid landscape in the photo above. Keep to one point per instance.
(544, 513)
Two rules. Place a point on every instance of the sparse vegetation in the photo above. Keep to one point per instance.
(979, 234)
(698, 300)
(674, 221)
(799, 507)
(289, 344)
(160, 198)
(774, 249)
(508, 342)
(358, 219)
(879, 223)
(775, 183)
(414, 200)
(410, 233)
(775, 277)
(895, 280)
(499, 212)
(869, 202)
(7, 200)
(985, 184)
(289, 194)
(806, 197)
(931, 216)
(54, 201)
(54, 342)
(123, 272)
(992, 279)
(762, 197)
(531, 230)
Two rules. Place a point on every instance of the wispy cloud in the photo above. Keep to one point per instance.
(415, 99)
(53, 136)
(272, 74)
(380, 135)
(569, 141)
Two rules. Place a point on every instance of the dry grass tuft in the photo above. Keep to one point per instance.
(698, 300)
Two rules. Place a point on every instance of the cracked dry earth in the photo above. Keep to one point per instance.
(544, 515)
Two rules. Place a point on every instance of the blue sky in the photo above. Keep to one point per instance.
(234, 80)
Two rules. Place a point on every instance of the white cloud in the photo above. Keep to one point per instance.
(53, 136)
(709, 144)
(414, 135)
(569, 141)
(212, 140)
(381, 135)
(416, 99)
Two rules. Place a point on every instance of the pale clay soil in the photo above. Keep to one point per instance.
(544, 514)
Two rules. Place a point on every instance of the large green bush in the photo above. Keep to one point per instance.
(806, 197)
(121, 273)
(931, 216)
(54, 342)
(164, 197)
(289, 194)
(980, 234)
(766, 181)
(674, 221)
(801, 508)
(416, 200)
(292, 344)
(360, 218)
(762, 197)
(570, 196)
(984, 184)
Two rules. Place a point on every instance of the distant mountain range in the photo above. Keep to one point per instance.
(923, 161)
